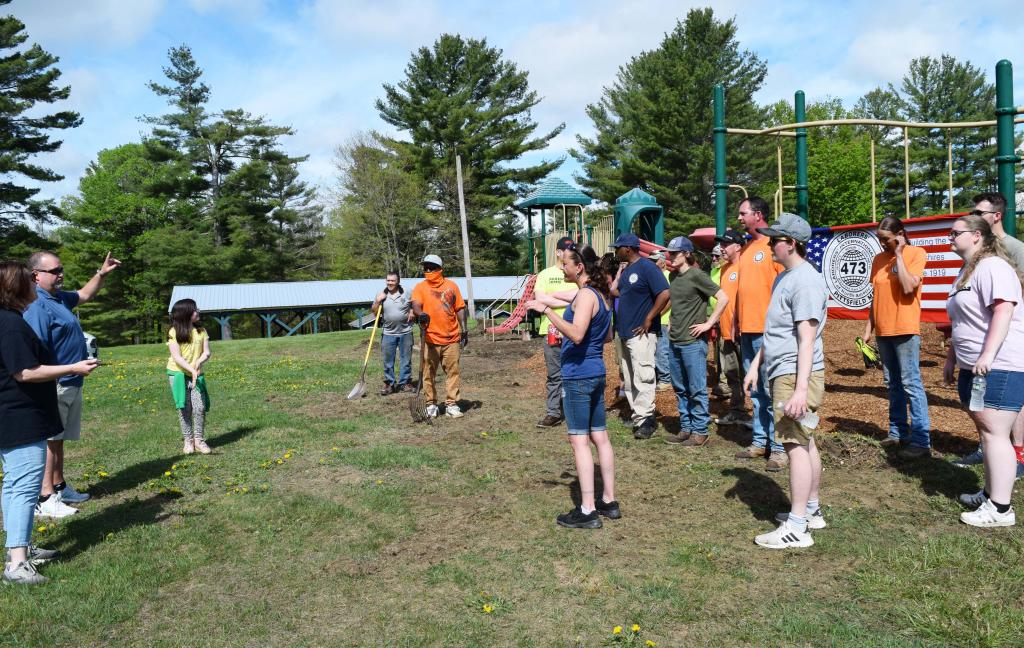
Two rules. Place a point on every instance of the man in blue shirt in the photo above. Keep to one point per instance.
(643, 295)
(51, 318)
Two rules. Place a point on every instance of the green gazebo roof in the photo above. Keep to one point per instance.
(554, 191)
(636, 196)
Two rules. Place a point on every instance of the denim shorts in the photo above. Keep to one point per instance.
(1004, 390)
(583, 404)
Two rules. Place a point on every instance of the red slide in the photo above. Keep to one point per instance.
(519, 312)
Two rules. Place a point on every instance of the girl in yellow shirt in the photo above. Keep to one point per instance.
(189, 345)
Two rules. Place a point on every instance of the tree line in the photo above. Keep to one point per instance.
(211, 195)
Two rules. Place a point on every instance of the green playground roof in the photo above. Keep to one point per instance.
(636, 196)
(554, 191)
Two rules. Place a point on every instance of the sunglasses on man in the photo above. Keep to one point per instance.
(59, 270)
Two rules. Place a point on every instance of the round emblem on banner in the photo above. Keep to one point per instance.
(733, 276)
(759, 257)
(846, 267)
(633, 277)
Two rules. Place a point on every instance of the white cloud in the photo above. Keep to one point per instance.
(107, 24)
(240, 7)
(376, 23)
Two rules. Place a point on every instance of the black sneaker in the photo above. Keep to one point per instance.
(646, 429)
(575, 519)
(608, 509)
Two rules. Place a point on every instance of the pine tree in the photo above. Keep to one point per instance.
(28, 77)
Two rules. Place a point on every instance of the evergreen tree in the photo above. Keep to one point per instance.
(653, 125)
(28, 77)
(461, 97)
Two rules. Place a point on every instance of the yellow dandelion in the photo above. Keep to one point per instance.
(167, 473)
(487, 609)
(380, 481)
(41, 528)
(279, 462)
(650, 644)
(335, 448)
(617, 630)
(174, 466)
(483, 435)
(287, 455)
(636, 627)
(103, 473)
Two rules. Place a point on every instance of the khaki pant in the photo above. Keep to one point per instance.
(638, 374)
(788, 430)
(732, 369)
(447, 357)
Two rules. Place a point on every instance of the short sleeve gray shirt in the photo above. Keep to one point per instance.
(395, 316)
(798, 295)
(1016, 251)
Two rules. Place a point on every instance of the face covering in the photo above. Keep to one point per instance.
(434, 278)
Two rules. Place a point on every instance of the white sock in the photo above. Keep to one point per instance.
(798, 523)
(585, 511)
(812, 507)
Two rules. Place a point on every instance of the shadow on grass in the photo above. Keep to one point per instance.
(91, 530)
(758, 491)
(941, 440)
(881, 391)
(140, 473)
(937, 476)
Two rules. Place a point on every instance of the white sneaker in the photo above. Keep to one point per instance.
(814, 521)
(453, 411)
(988, 516)
(37, 555)
(24, 574)
(431, 411)
(54, 508)
(70, 496)
(972, 500)
(784, 537)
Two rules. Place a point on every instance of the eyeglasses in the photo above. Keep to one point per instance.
(955, 233)
(59, 270)
(779, 239)
(979, 212)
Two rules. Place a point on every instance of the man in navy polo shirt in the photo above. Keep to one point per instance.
(51, 318)
(643, 294)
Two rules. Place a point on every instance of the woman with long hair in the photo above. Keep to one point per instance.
(897, 274)
(28, 408)
(986, 310)
(586, 327)
(189, 344)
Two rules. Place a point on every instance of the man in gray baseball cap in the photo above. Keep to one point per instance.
(788, 226)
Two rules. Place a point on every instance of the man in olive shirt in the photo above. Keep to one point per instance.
(689, 291)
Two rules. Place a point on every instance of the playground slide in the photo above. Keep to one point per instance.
(519, 312)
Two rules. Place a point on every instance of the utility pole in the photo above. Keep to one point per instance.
(465, 238)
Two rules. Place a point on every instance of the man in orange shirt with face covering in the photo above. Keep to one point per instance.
(441, 312)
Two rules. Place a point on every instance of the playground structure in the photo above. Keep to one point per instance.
(1006, 158)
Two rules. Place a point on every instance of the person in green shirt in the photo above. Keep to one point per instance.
(689, 291)
(551, 280)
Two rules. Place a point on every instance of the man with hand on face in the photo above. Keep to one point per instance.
(57, 327)
(643, 294)
(441, 312)
(395, 335)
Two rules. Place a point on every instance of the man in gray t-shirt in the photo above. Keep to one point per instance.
(795, 368)
(396, 335)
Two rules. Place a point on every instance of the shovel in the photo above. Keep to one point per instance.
(360, 389)
(417, 406)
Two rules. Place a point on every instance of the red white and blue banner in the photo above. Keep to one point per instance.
(843, 254)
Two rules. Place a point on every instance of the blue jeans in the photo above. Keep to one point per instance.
(690, 381)
(764, 419)
(23, 477)
(583, 402)
(663, 358)
(901, 358)
(403, 344)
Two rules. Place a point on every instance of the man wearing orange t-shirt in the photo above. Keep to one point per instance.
(757, 271)
(732, 243)
(895, 318)
(441, 312)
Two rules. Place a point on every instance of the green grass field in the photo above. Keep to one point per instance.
(320, 522)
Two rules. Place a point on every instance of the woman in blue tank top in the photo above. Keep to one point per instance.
(586, 327)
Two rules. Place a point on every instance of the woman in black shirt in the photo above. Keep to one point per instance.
(28, 408)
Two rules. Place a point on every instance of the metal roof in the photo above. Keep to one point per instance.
(233, 298)
(554, 191)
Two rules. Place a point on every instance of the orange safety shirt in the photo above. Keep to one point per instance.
(895, 312)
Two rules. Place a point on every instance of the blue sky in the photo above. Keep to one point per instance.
(318, 65)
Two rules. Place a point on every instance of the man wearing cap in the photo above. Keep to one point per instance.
(792, 358)
(662, 358)
(550, 281)
(53, 322)
(691, 288)
(730, 358)
(643, 294)
(757, 272)
(441, 312)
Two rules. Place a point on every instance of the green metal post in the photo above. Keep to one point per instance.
(1006, 159)
(543, 238)
(529, 237)
(801, 157)
(721, 182)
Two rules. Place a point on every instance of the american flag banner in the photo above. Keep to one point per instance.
(843, 254)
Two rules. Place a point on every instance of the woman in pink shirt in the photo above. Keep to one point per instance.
(986, 310)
